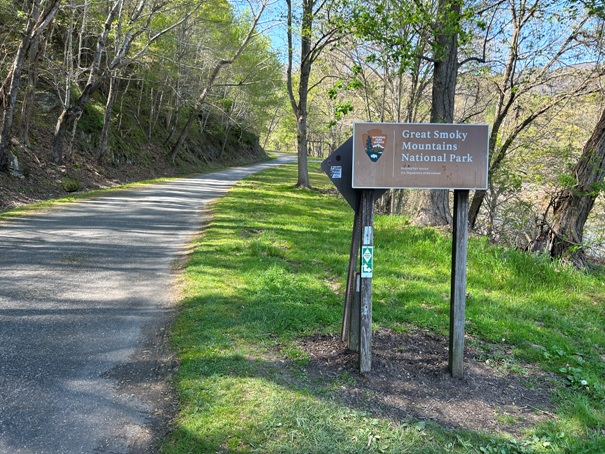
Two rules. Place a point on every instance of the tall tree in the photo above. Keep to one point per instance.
(434, 207)
(316, 32)
(436, 25)
(563, 236)
(39, 16)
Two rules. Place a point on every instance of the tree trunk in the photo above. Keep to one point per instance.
(103, 140)
(300, 107)
(301, 136)
(225, 139)
(445, 72)
(572, 206)
(29, 98)
(271, 127)
(10, 102)
(303, 93)
(435, 208)
(70, 115)
(202, 100)
(476, 203)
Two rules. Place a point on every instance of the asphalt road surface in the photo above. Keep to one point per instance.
(86, 296)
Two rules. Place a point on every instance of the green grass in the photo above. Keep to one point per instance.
(270, 268)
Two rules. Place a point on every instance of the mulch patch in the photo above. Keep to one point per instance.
(410, 380)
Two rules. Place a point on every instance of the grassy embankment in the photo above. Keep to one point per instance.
(263, 274)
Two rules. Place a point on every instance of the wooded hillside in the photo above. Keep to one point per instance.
(98, 93)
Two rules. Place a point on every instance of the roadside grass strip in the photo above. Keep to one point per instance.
(269, 268)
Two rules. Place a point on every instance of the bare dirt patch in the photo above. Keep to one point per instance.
(410, 380)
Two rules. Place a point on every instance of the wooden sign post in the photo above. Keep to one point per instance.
(350, 320)
(354, 332)
(367, 272)
(353, 257)
(458, 284)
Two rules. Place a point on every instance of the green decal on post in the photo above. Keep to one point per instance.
(367, 261)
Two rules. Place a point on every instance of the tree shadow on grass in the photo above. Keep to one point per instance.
(409, 383)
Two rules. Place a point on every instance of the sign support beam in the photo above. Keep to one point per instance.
(367, 265)
(458, 284)
(353, 258)
(354, 315)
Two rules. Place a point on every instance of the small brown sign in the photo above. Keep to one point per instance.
(420, 155)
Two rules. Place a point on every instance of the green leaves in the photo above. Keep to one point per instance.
(594, 7)
(391, 26)
(341, 108)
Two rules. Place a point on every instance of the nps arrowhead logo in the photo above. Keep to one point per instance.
(375, 141)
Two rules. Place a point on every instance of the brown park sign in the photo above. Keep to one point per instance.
(420, 156)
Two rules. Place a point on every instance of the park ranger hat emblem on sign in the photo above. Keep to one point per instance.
(375, 141)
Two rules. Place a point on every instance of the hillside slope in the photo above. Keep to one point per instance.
(38, 178)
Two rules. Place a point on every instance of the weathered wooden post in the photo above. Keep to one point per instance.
(353, 258)
(458, 284)
(367, 268)
(354, 315)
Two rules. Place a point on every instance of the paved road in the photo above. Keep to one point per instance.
(85, 294)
